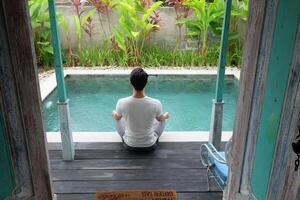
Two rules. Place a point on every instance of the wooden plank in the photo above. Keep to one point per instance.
(85, 196)
(244, 104)
(119, 146)
(21, 102)
(127, 164)
(181, 196)
(136, 174)
(115, 154)
(201, 196)
(93, 186)
(283, 184)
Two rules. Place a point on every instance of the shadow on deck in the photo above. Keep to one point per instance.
(107, 166)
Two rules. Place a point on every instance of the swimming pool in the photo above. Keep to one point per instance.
(188, 99)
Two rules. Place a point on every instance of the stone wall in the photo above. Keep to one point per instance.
(167, 35)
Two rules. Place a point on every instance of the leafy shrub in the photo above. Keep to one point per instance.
(129, 40)
(40, 23)
(134, 27)
(182, 12)
(153, 56)
(206, 15)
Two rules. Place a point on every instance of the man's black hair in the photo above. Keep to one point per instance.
(138, 79)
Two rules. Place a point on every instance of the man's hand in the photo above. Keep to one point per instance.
(115, 115)
(163, 117)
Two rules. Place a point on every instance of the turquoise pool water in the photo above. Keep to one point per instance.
(188, 99)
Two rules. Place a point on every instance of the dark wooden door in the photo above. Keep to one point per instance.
(7, 178)
(24, 166)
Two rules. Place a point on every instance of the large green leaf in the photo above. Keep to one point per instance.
(135, 34)
(36, 8)
(205, 15)
(193, 27)
(151, 10)
(216, 27)
(78, 27)
(134, 26)
(128, 8)
(49, 49)
(125, 26)
(119, 39)
(148, 28)
(139, 7)
(40, 23)
(191, 24)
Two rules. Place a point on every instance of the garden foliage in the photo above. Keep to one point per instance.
(206, 15)
(128, 42)
(40, 23)
(134, 27)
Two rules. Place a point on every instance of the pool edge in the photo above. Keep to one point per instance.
(169, 136)
(48, 84)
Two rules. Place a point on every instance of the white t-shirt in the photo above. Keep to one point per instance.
(139, 115)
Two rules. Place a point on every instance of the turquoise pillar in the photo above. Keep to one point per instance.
(57, 53)
(63, 102)
(223, 52)
(217, 110)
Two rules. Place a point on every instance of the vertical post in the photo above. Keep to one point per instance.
(217, 109)
(63, 102)
(21, 107)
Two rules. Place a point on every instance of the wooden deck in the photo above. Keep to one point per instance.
(107, 166)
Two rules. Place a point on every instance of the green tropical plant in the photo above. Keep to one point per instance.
(240, 9)
(153, 56)
(134, 27)
(103, 7)
(65, 27)
(40, 24)
(182, 12)
(239, 15)
(82, 20)
(206, 15)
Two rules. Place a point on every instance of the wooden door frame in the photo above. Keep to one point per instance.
(21, 103)
(261, 26)
(246, 94)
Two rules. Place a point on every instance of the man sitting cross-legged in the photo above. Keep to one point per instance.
(139, 118)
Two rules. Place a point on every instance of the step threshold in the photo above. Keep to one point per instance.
(169, 136)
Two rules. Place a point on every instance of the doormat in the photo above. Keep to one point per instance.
(137, 195)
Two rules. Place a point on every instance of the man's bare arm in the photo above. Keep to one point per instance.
(163, 117)
(116, 115)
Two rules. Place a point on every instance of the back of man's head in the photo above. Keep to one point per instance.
(138, 79)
